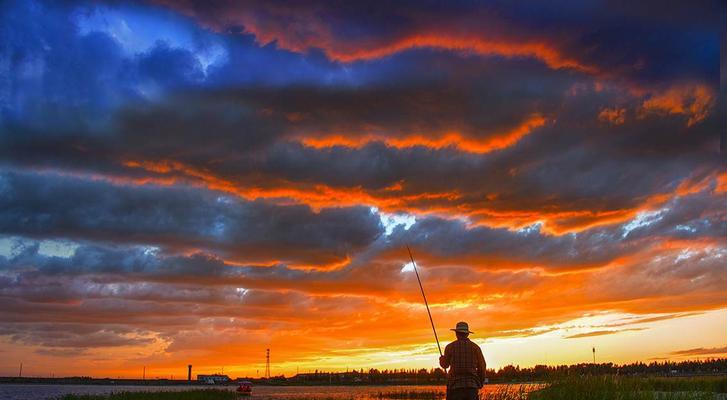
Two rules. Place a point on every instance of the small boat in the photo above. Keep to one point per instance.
(245, 389)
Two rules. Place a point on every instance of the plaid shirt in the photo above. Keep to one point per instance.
(467, 364)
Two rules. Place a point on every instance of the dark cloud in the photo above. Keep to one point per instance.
(601, 333)
(53, 205)
(612, 42)
(68, 336)
(244, 142)
(166, 66)
(701, 351)
(57, 79)
(690, 217)
(67, 67)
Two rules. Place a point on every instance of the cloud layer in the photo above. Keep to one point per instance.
(188, 180)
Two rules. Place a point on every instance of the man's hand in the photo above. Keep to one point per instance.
(443, 362)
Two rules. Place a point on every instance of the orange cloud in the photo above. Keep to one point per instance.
(447, 41)
(315, 195)
(556, 222)
(445, 204)
(721, 183)
(396, 198)
(492, 143)
(698, 184)
(601, 333)
(614, 116)
(358, 321)
(309, 31)
(693, 101)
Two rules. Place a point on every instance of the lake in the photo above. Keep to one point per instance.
(45, 392)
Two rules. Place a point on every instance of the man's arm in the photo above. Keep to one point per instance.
(481, 366)
(446, 360)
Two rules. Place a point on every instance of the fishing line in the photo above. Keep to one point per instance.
(414, 264)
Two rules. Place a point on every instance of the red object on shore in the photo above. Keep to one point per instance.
(245, 389)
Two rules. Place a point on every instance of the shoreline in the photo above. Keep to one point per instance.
(177, 383)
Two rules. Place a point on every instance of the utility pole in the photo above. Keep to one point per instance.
(594, 354)
(267, 363)
(20, 374)
(143, 374)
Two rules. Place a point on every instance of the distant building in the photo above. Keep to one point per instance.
(213, 379)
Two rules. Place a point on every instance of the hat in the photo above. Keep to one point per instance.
(462, 327)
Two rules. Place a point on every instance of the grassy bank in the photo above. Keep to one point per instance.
(628, 388)
(183, 395)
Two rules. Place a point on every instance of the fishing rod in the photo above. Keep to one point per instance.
(414, 264)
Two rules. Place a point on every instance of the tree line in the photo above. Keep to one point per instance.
(513, 373)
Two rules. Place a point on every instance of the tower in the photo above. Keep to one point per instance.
(267, 363)
(594, 355)
(189, 373)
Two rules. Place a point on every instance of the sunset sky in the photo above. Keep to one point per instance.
(192, 182)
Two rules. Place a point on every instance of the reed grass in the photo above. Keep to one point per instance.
(504, 392)
(509, 392)
(632, 388)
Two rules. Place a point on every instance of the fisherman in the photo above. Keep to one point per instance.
(467, 373)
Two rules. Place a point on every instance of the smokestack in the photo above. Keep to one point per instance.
(189, 373)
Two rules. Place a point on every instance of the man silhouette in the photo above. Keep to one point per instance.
(467, 373)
